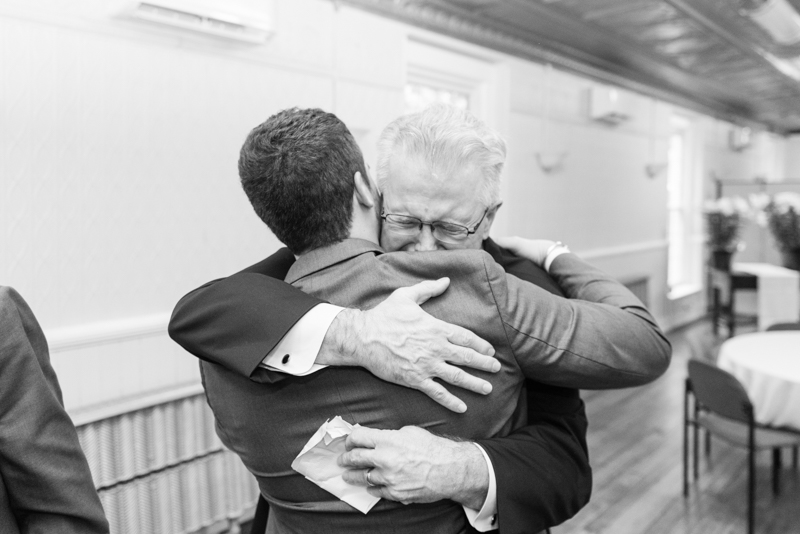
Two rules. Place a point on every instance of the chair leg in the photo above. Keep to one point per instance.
(696, 445)
(686, 440)
(751, 486)
(731, 315)
(776, 471)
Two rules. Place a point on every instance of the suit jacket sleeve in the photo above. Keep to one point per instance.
(601, 337)
(236, 321)
(46, 476)
(542, 470)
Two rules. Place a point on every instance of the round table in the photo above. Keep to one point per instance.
(768, 366)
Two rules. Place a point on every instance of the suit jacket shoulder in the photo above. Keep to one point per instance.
(43, 471)
(236, 321)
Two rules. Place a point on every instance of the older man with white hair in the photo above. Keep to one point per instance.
(439, 172)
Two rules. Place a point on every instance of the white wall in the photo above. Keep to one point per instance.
(118, 177)
(601, 202)
(792, 167)
(118, 167)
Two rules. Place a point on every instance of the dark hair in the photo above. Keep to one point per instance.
(297, 170)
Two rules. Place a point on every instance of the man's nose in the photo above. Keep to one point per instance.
(425, 240)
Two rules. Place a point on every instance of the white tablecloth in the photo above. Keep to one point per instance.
(768, 366)
(778, 294)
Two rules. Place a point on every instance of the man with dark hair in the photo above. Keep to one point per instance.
(321, 215)
(569, 342)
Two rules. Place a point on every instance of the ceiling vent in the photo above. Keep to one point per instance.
(608, 105)
(240, 20)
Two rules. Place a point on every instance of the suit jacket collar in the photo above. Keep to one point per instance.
(324, 257)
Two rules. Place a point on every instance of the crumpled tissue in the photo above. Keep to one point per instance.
(317, 462)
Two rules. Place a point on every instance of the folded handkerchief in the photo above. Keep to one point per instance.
(317, 462)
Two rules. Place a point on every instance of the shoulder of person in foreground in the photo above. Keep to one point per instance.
(43, 472)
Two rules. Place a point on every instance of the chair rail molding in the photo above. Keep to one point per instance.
(106, 332)
(622, 250)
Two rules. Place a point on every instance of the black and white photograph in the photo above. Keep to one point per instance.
(399, 266)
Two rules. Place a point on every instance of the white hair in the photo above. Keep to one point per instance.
(447, 139)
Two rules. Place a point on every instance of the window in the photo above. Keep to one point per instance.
(683, 216)
(438, 73)
(419, 96)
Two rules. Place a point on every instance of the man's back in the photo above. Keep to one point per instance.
(268, 425)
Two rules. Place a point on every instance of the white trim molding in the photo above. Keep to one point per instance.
(91, 414)
(103, 333)
(623, 250)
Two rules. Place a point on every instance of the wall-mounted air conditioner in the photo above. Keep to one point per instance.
(609, 105)
(243, 20)
(740, 138)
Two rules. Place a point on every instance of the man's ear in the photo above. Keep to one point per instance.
(487, 223)
(363, 190)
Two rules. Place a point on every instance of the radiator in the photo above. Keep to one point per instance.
(638, 286)
(162, 470)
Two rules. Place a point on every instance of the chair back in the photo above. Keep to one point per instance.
(719, 391)
(783, 326)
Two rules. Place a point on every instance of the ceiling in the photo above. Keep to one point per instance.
(704, 54)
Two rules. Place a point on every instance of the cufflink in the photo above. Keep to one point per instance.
(285, 359)
(494, 520)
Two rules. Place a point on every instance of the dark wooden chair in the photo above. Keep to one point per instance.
(783, 326)
(722, 407)
(726, 284)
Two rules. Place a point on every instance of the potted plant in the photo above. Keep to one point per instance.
(783, 219)
(724, 219)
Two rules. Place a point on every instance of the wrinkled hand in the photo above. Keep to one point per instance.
(530, 249)
(413, 465)
(399, 342)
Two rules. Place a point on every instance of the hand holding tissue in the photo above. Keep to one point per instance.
(317, 462)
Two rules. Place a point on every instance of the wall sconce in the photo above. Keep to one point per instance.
(552, 161)
(655, 169)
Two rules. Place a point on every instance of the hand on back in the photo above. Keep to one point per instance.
(399, 342)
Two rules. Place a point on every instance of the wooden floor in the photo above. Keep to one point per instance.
(635, 444)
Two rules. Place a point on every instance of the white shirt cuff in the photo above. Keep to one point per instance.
(297, 351)
(556, 252)
(485, 519)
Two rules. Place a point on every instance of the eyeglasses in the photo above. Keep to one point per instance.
(445, 232)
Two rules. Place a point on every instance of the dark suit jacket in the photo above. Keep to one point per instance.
(543, 467)
(481, 297)
(45, 483)
(543, 470)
